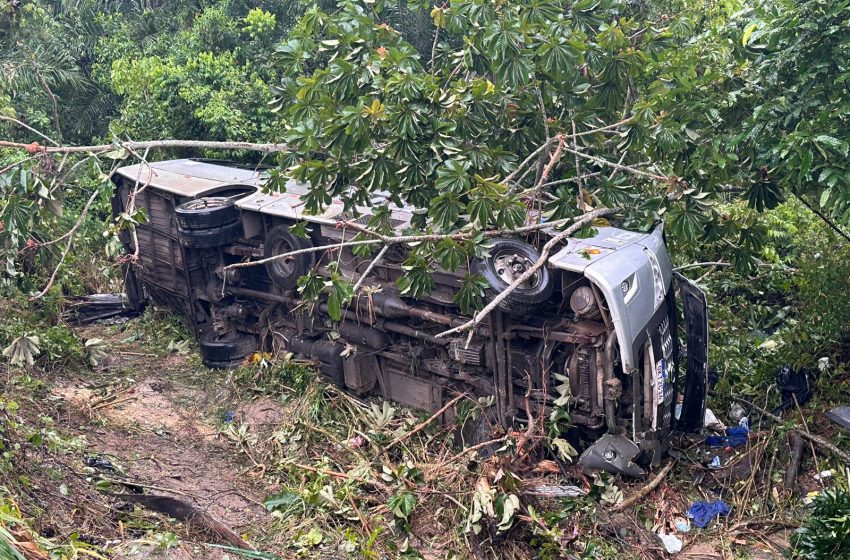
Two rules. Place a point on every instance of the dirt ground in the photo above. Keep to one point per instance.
(162, 429)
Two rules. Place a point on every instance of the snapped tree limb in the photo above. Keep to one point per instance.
(544, 256)
(150, 144)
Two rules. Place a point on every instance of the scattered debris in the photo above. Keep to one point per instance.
(612, 453)
(810, 497)
(736, 413)
(704, 513)
(96, 462)
(824, 475)
(817, 440)
(795, 385)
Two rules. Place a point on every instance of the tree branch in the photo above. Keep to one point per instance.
(70, 236)
(401, 239)
(544, 256)
(823, 217)
(53, 104)
(701, 265)
(621, 167)
(28, 127)
(152, 144)
(369, 268)
(644, 492)
(424, 424)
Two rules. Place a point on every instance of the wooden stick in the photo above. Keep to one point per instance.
(422, 426)
(112, 396)
(475, 447)
(112, 403)
(337, 474)
(359, 515)
(643, 492)
(797, 448)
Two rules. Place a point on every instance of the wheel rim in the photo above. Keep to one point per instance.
(285, 266)
(510, 265)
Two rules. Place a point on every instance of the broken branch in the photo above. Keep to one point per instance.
(424, 424)
(544, 256)
(152, 144)
(644, 492)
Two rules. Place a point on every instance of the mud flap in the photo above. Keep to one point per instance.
(690, 418)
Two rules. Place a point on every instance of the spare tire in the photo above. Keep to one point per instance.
(209, 238)
(228, 351)
(286, 271)
(206, 212)
(508, 260)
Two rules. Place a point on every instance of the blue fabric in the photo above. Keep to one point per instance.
(735, 436)
(704, 513)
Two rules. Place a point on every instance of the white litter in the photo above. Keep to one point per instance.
(672, 543)
(712, 422)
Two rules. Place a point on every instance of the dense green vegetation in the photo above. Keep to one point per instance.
(729, 119)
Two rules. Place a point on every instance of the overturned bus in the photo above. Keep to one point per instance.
(598, 330)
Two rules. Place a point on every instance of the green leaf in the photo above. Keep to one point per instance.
(480, 210)
(300, 229)
(686, 222)
(402, 504)
(282, 501)
(417, 280)
(311, 286)
(824, 197)
(7, 550)
(341, 293)
(516, 69)
(470, 295)
(510, 506)
(764, 195)
(445, 211)
(453, 176)
(448, 253)
(833, 143)
(805, 163)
